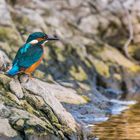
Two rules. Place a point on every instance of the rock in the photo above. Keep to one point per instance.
(34, 20)
(40, 88)
(4, 60)
(92, 34)
(137, 38)
(91, 112)
(66, 95)
(12, 39)
(4, 111)
(7, 132)
(16, 88)
(78, 73)
(5, 18)
(91, 23)
(114, 55)
(75, 3)
(136, 29)
(39, 110)
(5, 47)
(136, 5)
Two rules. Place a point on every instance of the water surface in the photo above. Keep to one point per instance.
(125, 126)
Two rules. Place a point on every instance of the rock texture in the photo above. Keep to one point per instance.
(32, 109)
(93, 36)
(90, 65)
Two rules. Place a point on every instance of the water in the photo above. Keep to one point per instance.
(125, 126)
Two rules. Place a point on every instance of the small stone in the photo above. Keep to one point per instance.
(6, 129)
(4, 80)
(15, 87)
(4, 111)
(20, 124)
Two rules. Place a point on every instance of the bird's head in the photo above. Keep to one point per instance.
(40, 38)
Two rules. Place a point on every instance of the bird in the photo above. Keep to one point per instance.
(30, 55)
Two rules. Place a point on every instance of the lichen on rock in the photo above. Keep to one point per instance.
(32, 109)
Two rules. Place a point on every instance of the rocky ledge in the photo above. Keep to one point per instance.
(30, 109)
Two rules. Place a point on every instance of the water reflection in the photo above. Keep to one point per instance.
(125, 126)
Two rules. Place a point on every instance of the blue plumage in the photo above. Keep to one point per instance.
(25, 57)
(14, 70)
(30, 53)
(25, 47)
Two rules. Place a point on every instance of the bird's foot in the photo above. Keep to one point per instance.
(30, 76)
(24, 77)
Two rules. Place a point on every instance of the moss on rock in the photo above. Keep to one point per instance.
(30, 115)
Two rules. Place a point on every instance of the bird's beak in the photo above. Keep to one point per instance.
(49, 37)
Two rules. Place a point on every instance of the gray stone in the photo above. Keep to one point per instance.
(89, 24)
(5, 18)
(4, 60)
(15, 87)
(6, 129)
(42, 89)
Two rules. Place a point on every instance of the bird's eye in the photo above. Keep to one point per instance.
(45, 37)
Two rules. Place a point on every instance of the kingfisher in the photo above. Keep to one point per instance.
(30, 55)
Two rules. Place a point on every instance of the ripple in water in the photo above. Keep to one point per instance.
(125, 126)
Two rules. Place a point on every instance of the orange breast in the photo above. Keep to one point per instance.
(34, 66)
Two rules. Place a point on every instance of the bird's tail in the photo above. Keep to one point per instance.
(13, 71)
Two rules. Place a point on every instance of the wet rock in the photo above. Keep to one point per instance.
(112, 93)
(92, 112)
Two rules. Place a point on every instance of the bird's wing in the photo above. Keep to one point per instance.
(28, 55)
(21, 50)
